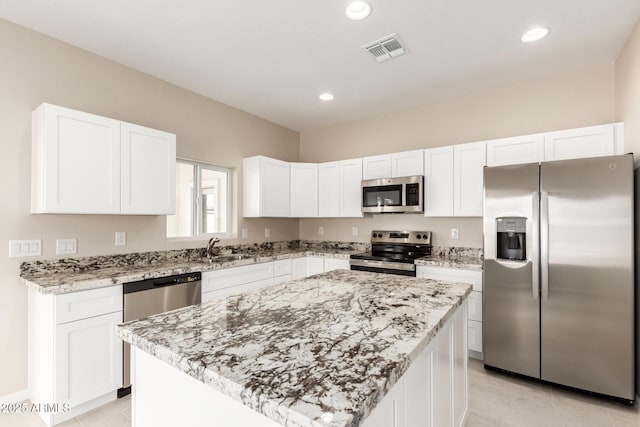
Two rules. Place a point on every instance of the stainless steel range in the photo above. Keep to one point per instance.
(393, 252)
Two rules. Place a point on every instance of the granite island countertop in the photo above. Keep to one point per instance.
(102, 274)
(335, 342)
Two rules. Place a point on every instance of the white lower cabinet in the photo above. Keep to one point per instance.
(236, 280)
(298, 268)
(331, 264)
(433, 391)
(315, 265)
(474, 301)
(75, 354)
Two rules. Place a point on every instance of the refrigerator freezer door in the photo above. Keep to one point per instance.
(587, 310)
(511, 306)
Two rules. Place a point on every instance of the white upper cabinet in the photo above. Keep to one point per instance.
(75, 162)
(407, 163)
(517, 150)
(329, 189)
(376, 167)
(266, 187)
(304, 190)
(468, 163)
(438, 181)
(148, 170)
(351, 188)
(593, 141)
(340, 189)
(87, 164)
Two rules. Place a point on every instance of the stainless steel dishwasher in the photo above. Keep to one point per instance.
(154, 296)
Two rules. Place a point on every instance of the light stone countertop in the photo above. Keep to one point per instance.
(105, 275)
(334, 342)
(460, 262)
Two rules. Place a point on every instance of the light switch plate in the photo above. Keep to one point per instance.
(321, 231)
(455, 233)
(245, 233)
(66, 246)
(267, 232)
(121, 238)
(354, 231)
(20, 248)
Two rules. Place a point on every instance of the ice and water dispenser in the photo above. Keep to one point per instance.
(511, 238)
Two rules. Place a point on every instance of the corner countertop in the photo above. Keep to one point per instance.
(104, 275)
(335, 342)
(451, 261)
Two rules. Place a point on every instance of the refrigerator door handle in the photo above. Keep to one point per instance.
(535, 257)
(544, 243)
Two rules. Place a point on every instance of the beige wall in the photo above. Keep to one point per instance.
(581, 98)
(35, 69)
(628, 92)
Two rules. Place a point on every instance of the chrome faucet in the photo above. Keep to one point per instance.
(212, 251)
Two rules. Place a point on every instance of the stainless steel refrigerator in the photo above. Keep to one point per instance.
(558, 279)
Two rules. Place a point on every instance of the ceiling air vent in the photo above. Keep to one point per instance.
(386, 48)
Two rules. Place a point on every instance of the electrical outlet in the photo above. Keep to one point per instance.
(245, 233)
(267, 232)
(354, 231)
(66, 246)
(121, 238)
(321, 231)
(20, 248)
(455, 233)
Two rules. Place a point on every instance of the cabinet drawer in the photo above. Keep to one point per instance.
(331, 264)
(228, 277)
(452, 275)
(474, 330)
(85, 304)
(475, 306)
(281, 267)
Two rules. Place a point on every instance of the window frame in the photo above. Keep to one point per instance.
(196, 219)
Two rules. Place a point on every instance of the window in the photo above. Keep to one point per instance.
(202, 200)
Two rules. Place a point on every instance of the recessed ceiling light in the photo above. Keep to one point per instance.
(326, 97)
(534, 35)
(358, 10)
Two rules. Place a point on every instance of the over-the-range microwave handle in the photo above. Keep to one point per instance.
(535, 256)
(544, 244)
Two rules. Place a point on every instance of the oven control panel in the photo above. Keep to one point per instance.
(414, 237)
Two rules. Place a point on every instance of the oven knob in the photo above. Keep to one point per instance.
(418, 237)
(424, 236)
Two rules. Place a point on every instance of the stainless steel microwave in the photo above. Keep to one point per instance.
(393, 195)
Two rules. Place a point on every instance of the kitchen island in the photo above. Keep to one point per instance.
(343, 348)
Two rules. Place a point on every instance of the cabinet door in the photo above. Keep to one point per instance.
(407, 163)
(590, 141)
(512, 151)
(475, 335)
(376, 167)
(329, 189)
(351, 188)
(304, 190)
(468, 163)
(390, 410)
(298, 268)
(438, 181)
(331, 264)
(88, 359)
(229, 277)
(148, 171)
(475, 306)
(75, 162)
(275, 187)
(315, 265)
(443, 379)
(460, 358)
(418, 390)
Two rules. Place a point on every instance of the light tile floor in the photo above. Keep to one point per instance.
(495, 400)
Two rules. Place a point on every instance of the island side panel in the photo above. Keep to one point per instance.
(433, 391)
(163, 396)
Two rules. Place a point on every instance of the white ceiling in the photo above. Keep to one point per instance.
(273, 58)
